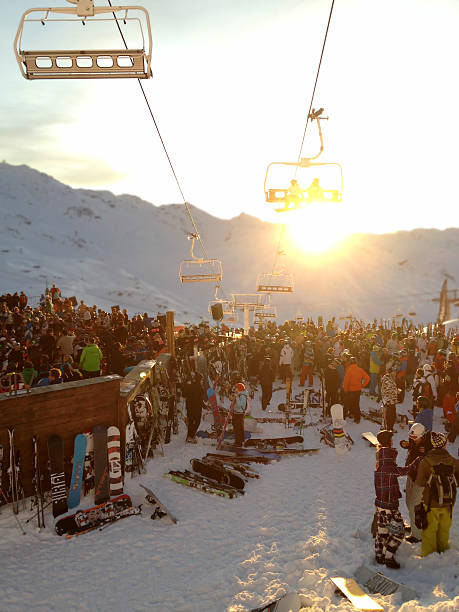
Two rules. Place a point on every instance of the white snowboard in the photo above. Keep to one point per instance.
(339, 435)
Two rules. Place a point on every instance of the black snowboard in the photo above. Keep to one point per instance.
(56, 463)
(218, 473)
(74, 523)
(260, 442)
(101, 474)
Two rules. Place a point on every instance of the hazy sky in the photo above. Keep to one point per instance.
(231, 88)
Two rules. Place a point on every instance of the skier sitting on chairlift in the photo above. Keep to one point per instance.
(315, 191)
(294, 195)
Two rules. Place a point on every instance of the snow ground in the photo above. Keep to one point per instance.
(306, 519)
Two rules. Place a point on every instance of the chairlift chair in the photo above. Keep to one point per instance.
(265, 311)
(246, 300)
(227, 306)
(86, 64)
(199, 269)
(302, 197)
(275, 282)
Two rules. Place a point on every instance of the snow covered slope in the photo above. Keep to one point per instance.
(122, 250)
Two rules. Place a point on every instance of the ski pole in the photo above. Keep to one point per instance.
(41, 511)
(17, 520)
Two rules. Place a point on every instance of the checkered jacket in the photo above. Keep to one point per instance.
(386, 477)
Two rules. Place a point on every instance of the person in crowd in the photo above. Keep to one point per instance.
(90, 359)
(70, 372)
(285, 361)
(240, 408)
(424, 412)
(54, 378)
(438, 475)
(376, 363)
(64, 344)
(195, 399)
(354, 379)
(389, 393)
(390, 528)
(266, 378)
(29, 374)
(418, 444)
(332, 382)
(308, 364)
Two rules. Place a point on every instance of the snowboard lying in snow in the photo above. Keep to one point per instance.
(370, 437)
(359, 599)
(160, 509)
(217, 473)
(376, 582)
(291, 602)
(283, 441)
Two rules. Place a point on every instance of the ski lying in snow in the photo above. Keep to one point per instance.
(283, 441)
(358, 598)
(370, 437)
(206, 486)
(217, 473)
(248, 452)
(104, 522)
(292, 451)
(376, 582)
(241, 468)
(83, 519)
(228, 455)
(160, 509)
(291, 602)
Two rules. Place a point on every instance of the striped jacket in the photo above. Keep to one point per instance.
(388, 390)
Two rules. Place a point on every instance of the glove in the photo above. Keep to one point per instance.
(420, 516)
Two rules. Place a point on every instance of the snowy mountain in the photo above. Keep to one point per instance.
(123, 250)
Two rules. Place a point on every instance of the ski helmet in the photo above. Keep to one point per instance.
(417, 431)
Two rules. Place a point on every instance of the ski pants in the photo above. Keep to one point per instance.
(353, 398)
(389, 416)
(373, 383)
(266, 394)
(413, 498)
(307, 370)
(193, 415)
(285, 371)
(387, 543)
(238, 426)
(436, 537)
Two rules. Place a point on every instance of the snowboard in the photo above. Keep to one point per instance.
(230, 456)
(291, 602)
(359, 599)
(218, 473)
(376, 582)
(88, 473)
(56, 463)
(81, 520)
(112, 517)
(76, 482)
(114, 461)
(249, 452)
(205, 485)
(370, 437)
(341, 444)
(160, 509)
(101, 476)
(258, 442)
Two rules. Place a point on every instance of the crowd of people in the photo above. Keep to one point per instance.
(61, 340)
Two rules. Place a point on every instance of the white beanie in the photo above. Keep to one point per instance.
(417, 430)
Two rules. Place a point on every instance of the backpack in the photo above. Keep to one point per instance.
(426, 390)
(441, 484)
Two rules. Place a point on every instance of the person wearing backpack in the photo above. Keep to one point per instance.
(438, 475)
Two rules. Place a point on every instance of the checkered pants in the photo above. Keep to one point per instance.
(387, 543)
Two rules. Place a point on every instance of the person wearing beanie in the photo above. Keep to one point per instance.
(240, 406)
(437, 500)
(390, 528)
(418, 444)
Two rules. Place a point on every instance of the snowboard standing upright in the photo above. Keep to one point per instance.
(56, 462)
(114, 461)
(341, 444)
(101, 476)
(76, 482)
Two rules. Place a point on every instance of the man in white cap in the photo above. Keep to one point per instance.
(418, 444)
(438, 475)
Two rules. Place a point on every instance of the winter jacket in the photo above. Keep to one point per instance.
(386, 477)
(388, 390)
(308, 357)
(240, 403)
(417, 450)
(426, 418)
(375, 363)
(355, 378)
(434, 457)
(266, 374)
(286, 355)
(90, 358)
(332, 380)
(29, 375)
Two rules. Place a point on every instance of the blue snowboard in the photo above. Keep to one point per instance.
(79, 454)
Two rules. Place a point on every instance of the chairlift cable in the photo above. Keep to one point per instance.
(187, 206)
(315, 83)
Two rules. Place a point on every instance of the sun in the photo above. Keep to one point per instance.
(317, 228)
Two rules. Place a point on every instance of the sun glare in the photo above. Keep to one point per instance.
(317, 228)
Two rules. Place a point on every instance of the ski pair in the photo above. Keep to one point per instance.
(206, 485)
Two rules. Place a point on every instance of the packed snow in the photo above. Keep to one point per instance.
(306, 519)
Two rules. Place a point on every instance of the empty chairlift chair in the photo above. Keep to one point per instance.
(275, 282)
(86, 64)
(199, 269)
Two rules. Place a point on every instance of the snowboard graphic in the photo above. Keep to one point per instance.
(56, 461)
(76, 482)
(114, 461)
(101, 477)
(341, 444)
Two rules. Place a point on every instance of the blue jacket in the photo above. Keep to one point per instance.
(240, 403)
(426, 418)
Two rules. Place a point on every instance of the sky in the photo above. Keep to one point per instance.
(232, 84)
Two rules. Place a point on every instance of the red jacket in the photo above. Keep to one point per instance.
(355, 378)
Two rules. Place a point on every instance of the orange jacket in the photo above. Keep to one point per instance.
(355, 378)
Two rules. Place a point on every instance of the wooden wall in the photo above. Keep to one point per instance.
(67, 410)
